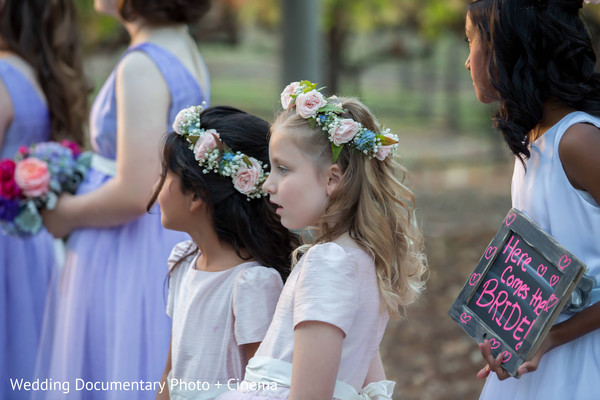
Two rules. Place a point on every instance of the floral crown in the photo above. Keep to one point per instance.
(313, 106)
(247, 173)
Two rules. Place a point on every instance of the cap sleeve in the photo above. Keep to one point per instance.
(179, 251)
(327, 287)
(255, 295)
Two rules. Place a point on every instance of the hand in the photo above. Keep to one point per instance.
(496, 364)
(55, 220)
(493, 364)
(532, 365)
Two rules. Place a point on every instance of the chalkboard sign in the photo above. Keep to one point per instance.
(519, 287)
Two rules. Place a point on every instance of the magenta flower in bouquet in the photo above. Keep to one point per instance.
(34, 179)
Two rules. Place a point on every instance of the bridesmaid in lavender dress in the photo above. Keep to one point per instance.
(106, 321)
(34, 107)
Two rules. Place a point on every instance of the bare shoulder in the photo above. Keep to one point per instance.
(578, 150)
(6, 108)
(138, 72)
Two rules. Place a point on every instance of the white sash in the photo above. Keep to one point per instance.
(268, 370)
(104, 165)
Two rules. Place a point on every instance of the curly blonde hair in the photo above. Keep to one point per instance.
(371, 203)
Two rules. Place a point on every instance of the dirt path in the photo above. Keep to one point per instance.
(462, 200)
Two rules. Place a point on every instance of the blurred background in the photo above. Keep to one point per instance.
(405, 60)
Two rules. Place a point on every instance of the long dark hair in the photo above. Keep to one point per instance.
(164, 11)
(539, 50)
(249, 225)
(45, 34)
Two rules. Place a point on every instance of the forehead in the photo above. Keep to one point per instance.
(469, 28)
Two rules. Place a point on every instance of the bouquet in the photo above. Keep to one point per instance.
(34, 179)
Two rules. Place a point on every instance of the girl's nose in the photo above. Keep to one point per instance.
(268, 185)
(468, 63)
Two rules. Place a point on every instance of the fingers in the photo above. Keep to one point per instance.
(494, 364)
(483, 372)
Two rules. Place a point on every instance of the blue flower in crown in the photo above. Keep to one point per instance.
(213, 155)
(312, 105)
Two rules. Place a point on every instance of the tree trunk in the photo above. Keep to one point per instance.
(301, 47)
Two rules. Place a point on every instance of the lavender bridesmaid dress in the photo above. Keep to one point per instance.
(25, 264)
(106, 332)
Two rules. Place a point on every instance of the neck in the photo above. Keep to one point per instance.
(140, 31)
(554, 111)
(215, 254)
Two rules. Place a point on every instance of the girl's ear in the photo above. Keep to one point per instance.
(195, 202)
(334, 177)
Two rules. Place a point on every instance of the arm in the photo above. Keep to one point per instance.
(316, 360)
(376, 372)
(6, 111)
(251, 350)
(164, 395)
(142, 111)
(578, 151)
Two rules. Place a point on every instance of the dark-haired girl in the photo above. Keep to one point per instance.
(224, 283)
(42, 97)
(535, 58)
(106, 322)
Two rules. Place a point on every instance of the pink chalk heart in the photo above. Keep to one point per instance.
(551, 302)
(564, 262)
(541, 270)
(494, 344)
(510, 218)
(490, 252)
(474, 279)
(506, 356)
(464, 318)
(553, 280)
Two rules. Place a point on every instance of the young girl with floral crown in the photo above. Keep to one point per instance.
(42, 97)
(535, 58)
(331, 170)
(225, 282)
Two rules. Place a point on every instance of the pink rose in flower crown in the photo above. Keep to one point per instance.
(32, 176)
(206, 143)
(345, 131)
(8, 186)
(384, 151)
(286, 95)
(246, 178)
(307, 104)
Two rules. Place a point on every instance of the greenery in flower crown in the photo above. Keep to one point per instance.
(246, 173)
(312, 105)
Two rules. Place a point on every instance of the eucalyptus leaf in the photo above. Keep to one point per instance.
(336, 150)
(52, 200)
(29, 220)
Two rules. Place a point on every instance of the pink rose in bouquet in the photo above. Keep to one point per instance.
(8, 187)
(247, 177)
(307, 104)
(32, 176)
(73, 146)
(345, 131)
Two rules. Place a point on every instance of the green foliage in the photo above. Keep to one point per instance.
(99, 29)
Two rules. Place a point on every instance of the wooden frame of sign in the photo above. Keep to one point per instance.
(519, 287)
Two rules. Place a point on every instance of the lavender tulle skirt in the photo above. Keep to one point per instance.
(105, 320)
(25, 270)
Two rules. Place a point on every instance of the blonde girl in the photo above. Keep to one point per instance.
(331, 171)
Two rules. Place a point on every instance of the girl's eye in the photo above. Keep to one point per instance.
(468, 41)
(283, 169)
